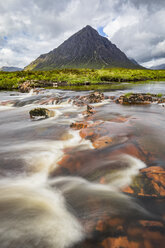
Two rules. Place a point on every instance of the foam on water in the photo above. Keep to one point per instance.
(106, 101)
(31, 213)
(41, 156)
(124, 176)
(35, 217)
(37, 211)
(2, 108)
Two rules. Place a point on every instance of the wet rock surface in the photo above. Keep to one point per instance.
(25, 87)
(94, 97)
(149, 183)
(139, 98)
(89, 111)
(41, 113)
(79, 125)
(117, 232)
(111, 136)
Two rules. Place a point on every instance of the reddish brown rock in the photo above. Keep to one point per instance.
(149, 183)
(149, 223)
(93, 131)
(90, 111)
(128, 190)
(146, 234)
(119, 242)
(107, 223)
(79, 125)
(130, 149)
(102, 142)
(119, 119)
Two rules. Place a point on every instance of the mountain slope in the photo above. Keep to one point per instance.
(85, 49)
(134, 61)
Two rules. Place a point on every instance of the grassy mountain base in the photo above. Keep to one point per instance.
(76, 77)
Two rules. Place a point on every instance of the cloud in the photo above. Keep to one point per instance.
(139, 30)
(154, 62)
(30, 28)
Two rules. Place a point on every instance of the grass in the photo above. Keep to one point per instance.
(127, 95)
(159, 95)
(77, 77)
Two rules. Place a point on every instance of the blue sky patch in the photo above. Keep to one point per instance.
(101, 32)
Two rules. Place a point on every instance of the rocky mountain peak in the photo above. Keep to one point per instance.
(84, 49)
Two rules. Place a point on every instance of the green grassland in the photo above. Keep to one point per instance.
(77, 77)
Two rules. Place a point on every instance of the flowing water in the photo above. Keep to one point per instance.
(51, 190)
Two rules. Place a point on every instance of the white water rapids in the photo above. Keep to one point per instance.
(39, 211)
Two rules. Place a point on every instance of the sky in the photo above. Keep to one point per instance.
(29, 28)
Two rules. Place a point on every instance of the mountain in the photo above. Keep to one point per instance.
(84, 49)
(134, 61)
(158, 67)
(10, 69)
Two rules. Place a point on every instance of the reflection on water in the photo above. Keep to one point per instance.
(55, 187)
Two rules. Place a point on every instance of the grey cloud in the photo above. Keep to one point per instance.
(144, 31)
(157, 4)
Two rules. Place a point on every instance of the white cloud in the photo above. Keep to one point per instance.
(154, 62)
(160, 48)
(128, 17)
(139, 32)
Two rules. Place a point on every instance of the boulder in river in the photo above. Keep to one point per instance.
(25, 87)
(41, 113)
(89, 111)
(94, 97)
(138, 98)
(79, 125)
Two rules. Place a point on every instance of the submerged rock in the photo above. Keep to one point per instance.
(149, 183)
(102, 142)
(41, 113)
(139, 98)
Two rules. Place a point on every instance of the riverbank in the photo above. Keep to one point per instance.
(77, 78)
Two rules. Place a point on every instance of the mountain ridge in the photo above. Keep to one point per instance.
(158, 67)
(10, 68)
(84, 49)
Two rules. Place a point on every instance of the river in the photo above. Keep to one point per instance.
(60, 189)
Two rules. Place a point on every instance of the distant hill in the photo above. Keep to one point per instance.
(84, 49)
(158, 67)
(10, 69)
